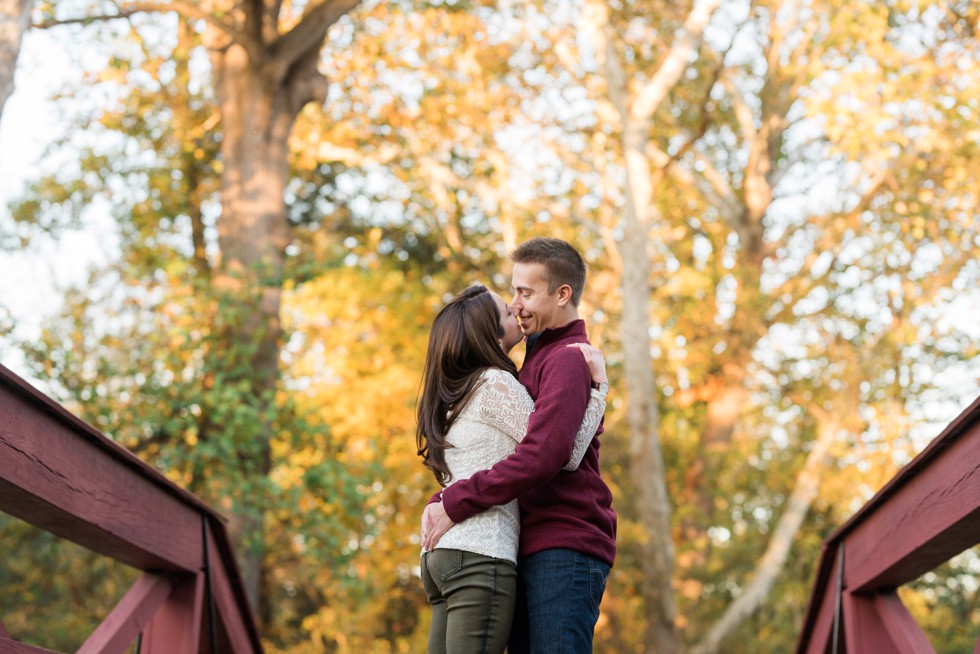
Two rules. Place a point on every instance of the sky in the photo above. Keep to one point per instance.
(31, 279)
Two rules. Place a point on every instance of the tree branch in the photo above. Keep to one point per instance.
(796, 156)
(158, 437)
(309, 32)
(129, 9)
(270, 20)
(13, 24)
(595, 16)
(800, 285)
(669, 72)
(706, 100)
(718, 182)
(254, 20)
(743, 113)
(777, 551)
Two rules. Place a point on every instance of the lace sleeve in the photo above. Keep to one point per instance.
(593, 415)
(505, 404)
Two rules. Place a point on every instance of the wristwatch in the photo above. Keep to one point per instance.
(602, 387)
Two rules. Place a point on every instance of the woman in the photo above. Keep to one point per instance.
(471, 414)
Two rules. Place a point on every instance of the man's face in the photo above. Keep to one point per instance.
(534, 306)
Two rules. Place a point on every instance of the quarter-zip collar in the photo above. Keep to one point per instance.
(552, 334)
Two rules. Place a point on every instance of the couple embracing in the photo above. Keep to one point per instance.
(519, 543)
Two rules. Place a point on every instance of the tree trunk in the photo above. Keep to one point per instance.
(647, 464)
(252, 236)
(636, 109)
(259, 102)
(14, 19)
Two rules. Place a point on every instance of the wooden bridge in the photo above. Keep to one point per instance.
(64, 476)
(927, 514)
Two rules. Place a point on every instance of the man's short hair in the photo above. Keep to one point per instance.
(562, 263)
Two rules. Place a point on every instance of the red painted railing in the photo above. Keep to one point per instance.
(927, 514)
(61, 474)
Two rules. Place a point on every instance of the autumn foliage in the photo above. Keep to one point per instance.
(777, 202)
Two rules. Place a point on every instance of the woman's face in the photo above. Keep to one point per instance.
(508, 324)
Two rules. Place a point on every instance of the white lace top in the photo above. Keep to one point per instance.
(488, 429)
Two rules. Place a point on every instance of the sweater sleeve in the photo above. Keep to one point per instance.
(590, 424)
(506, 406)
(559, 410)
(503, 403)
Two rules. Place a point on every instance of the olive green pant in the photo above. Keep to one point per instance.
(472, 598)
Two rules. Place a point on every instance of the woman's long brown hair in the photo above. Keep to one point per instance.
(463, 343)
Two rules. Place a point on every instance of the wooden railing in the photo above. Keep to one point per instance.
(64, 476)
(928, 513)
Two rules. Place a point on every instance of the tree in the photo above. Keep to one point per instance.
(789, 334)
(696, 152)
(14, 19)
(770, 118)
(196, 413)
(264, 61)
(729, 275)
(635, 98)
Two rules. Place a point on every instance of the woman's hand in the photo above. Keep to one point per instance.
(594, 359)
(435, 524)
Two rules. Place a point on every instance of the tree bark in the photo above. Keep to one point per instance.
(262, 81)
(252, 236)
(636, 108)
(647, 470)
(14, 18)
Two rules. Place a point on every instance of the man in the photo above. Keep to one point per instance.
(568, 526)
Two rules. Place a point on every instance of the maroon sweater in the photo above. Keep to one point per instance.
(559, 509)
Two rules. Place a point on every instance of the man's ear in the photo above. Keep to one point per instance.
(564, 294)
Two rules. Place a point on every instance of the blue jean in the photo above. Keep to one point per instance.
(558, 597)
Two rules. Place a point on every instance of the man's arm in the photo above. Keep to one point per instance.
(558, 413)
(510, 413)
